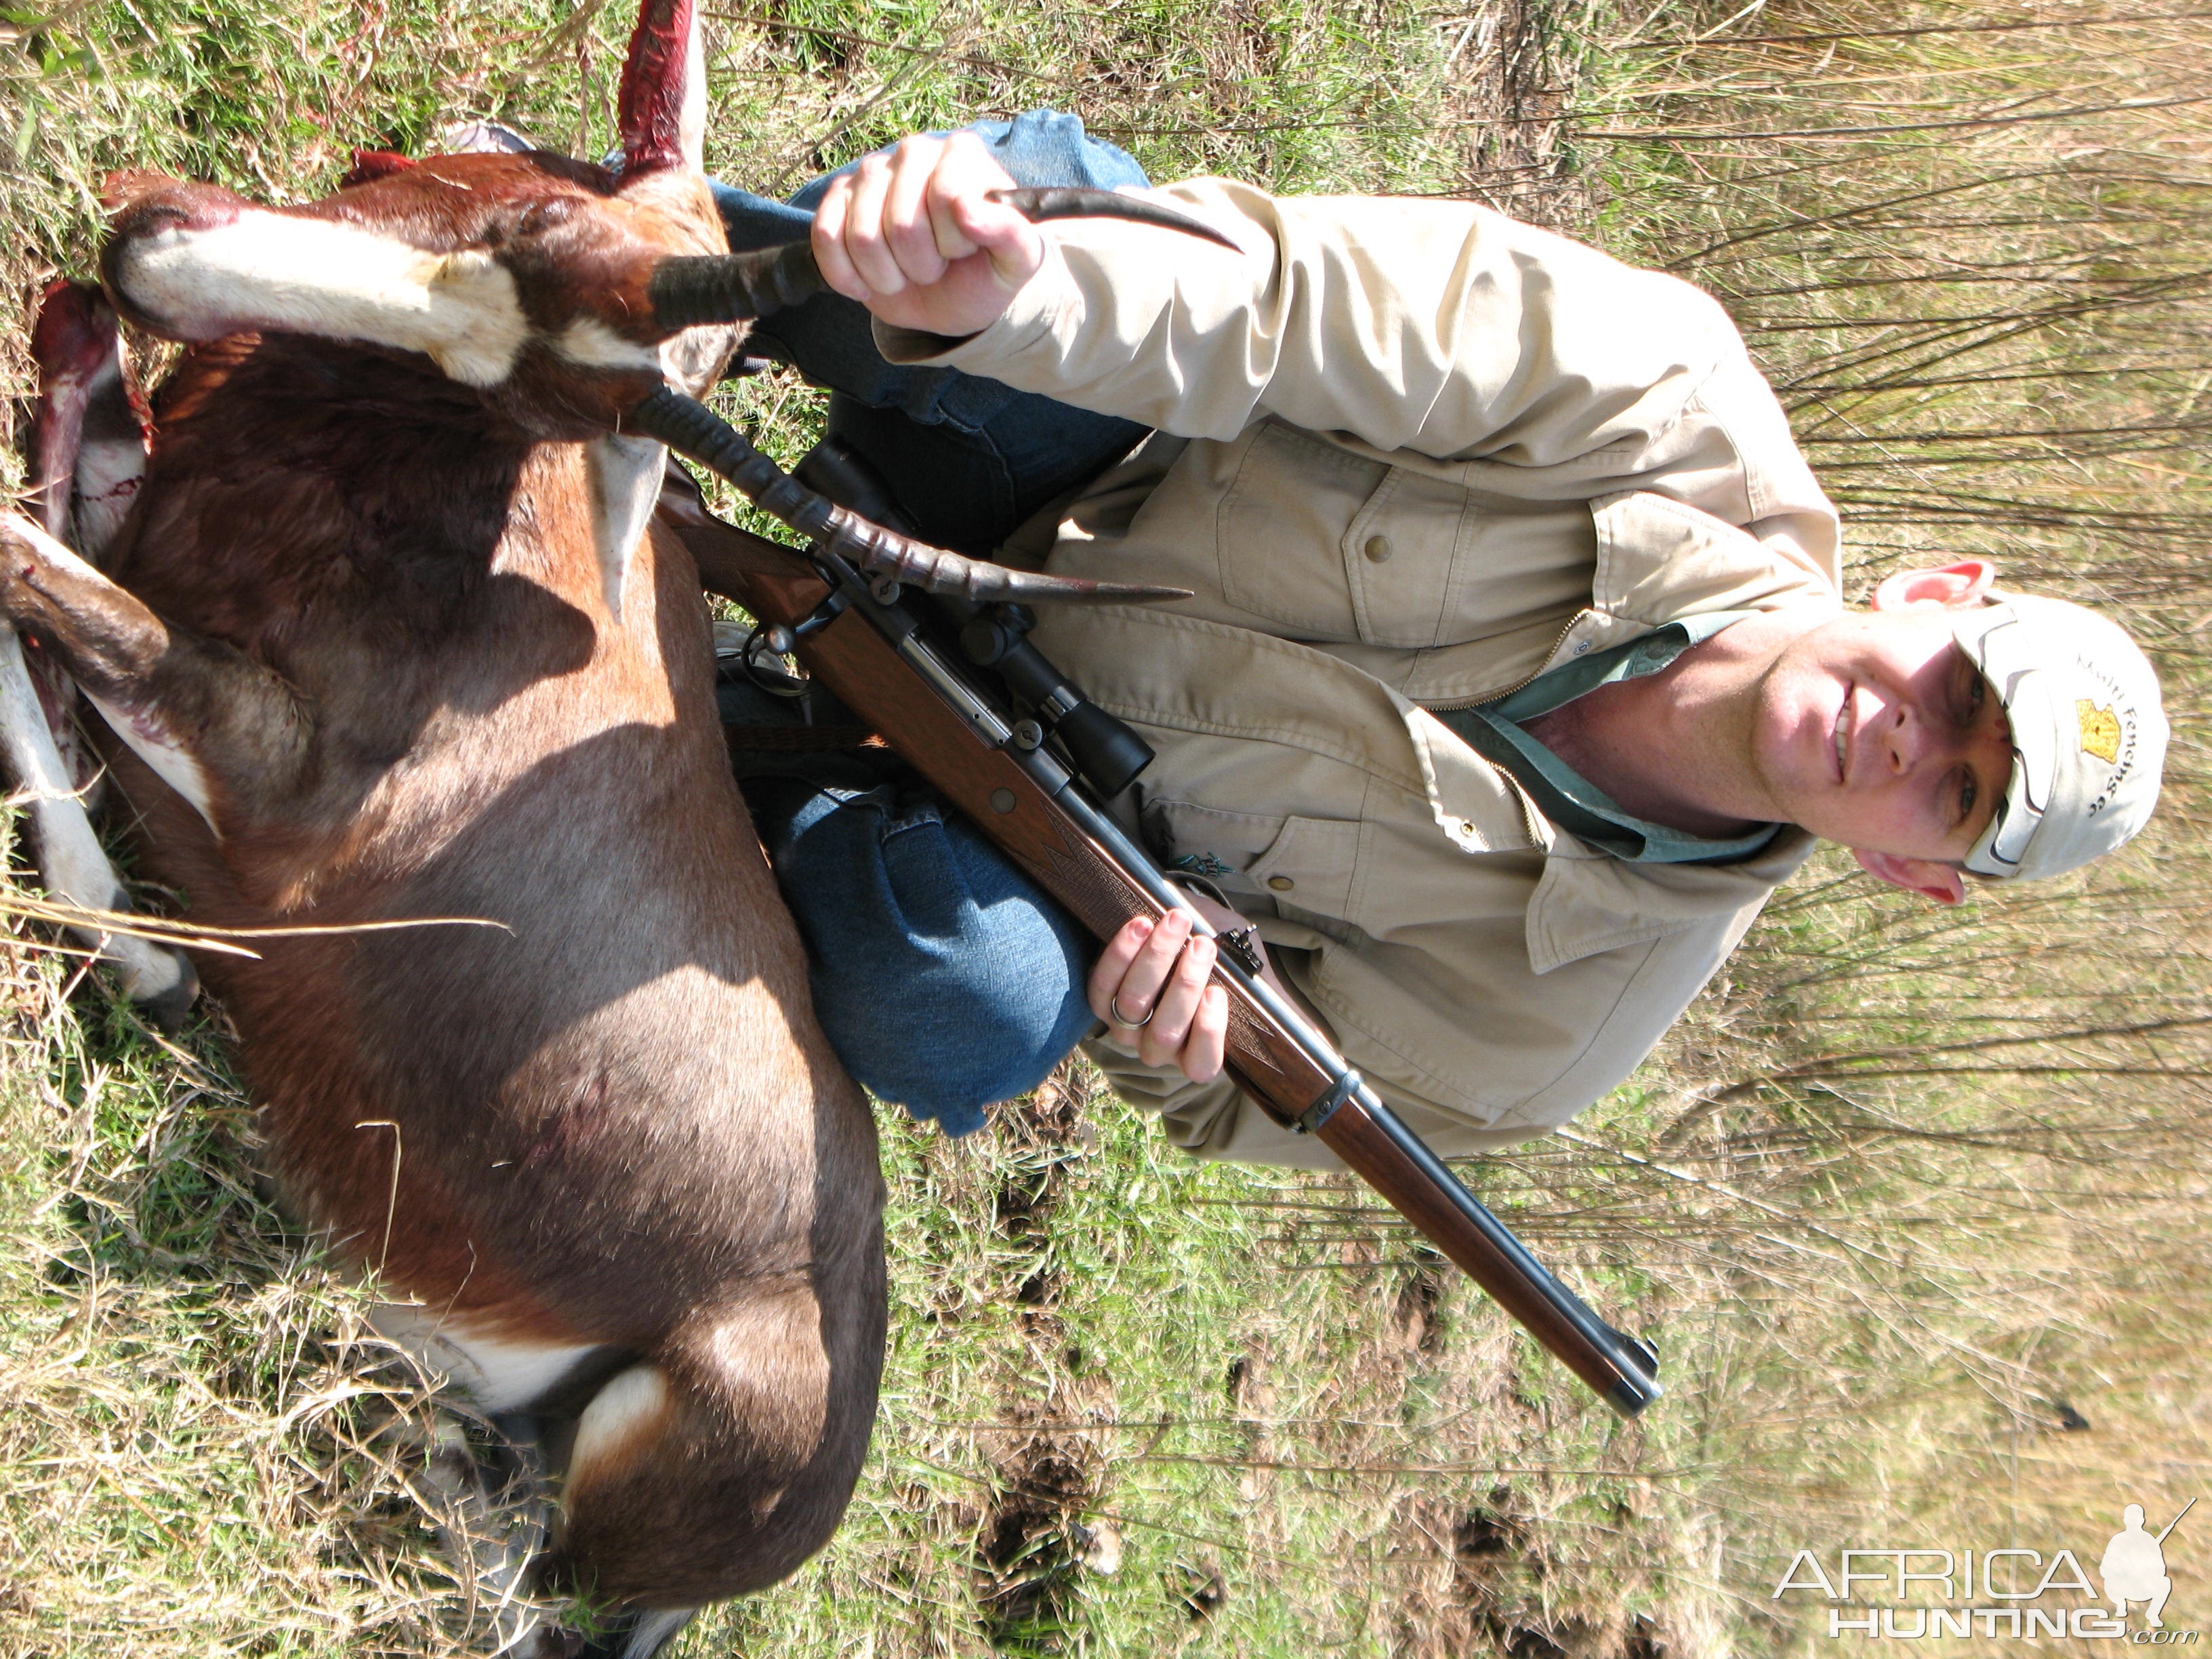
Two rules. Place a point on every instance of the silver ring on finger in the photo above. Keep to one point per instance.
(1114, 1007)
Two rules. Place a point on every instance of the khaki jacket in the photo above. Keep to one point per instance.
(1408, 452)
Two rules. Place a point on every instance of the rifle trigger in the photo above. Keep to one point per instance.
(1238, 946)
(1310, 1120)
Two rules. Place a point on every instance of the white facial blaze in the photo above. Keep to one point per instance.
(478, 325)
(593, 344)
(272, 271)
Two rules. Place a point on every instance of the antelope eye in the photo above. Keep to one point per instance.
(545, 216)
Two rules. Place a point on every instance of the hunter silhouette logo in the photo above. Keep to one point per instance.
(2010, 1593)
(2134, 1567)
(2100, 730)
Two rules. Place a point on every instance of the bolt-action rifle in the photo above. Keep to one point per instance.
(1022, 778)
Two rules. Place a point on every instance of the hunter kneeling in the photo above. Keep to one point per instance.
(1516, 676)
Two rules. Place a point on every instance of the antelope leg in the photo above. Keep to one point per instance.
(86, 451)
(72, 865)
(219, 730)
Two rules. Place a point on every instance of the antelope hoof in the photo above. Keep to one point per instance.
(167, 1006)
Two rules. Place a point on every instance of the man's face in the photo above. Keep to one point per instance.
(1877, 730)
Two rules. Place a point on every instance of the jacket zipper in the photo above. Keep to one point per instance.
(1482, 697)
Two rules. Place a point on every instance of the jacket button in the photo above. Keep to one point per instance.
(1281, 884)
(1378, 548)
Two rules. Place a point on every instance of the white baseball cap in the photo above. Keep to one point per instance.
(2089, 733)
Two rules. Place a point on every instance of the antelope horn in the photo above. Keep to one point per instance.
(690, 427)
(731, 288)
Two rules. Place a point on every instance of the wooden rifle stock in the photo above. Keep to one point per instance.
(1043, 831)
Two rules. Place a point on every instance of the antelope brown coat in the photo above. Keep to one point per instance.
(378, 652)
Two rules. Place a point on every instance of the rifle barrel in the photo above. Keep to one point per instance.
(2176, 1521)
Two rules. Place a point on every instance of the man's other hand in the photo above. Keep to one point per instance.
(1150, 987)
(913, 235)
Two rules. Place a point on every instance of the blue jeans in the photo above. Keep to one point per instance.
(944, 977)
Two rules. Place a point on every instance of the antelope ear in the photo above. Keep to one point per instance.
(691, 116)
(625, 475)
(662, 108)
(87, 435)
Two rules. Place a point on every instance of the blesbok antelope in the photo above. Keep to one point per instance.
(385, 633)
(384, 636)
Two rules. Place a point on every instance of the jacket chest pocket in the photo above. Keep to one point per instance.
(1301, 864)
(1335, 546)
(1399, 556)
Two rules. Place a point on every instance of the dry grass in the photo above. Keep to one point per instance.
(1972, 255)
(1914, 1202)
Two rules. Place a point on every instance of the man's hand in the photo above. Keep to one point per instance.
(913, 236)
(1151, 989)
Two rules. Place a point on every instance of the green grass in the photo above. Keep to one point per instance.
(1884, 1264)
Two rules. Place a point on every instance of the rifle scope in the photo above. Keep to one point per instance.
(1106, 752)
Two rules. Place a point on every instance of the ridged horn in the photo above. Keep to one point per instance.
(690, 427)
(691, 291)
(1069, 201)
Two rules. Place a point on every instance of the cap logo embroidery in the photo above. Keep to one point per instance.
(2100, 730)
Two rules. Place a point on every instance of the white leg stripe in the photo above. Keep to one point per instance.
(151, 742)
(631, 1402)
(108, 475)
(653, 1631)
(145, 732)
(72, 865)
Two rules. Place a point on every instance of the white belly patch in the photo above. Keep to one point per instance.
(499, 1375)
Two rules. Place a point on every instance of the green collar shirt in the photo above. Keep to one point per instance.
(1496, 730)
